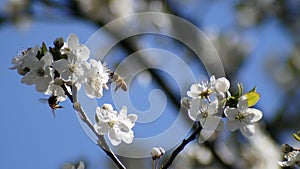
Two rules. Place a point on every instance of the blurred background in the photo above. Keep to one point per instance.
(258, 42)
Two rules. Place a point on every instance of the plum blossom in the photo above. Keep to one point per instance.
(206, 89)
(54, 89)
(74, 67)
(81, 51)
(96, 79)
(242, 117)
(39, 73)
(205, 112)
(71, 69)
(20, 61)
(118, 126)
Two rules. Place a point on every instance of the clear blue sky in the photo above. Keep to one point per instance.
(32, 138)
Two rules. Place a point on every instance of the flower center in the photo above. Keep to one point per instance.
(41, 72)
(240, 116)
(111, 123)
(72, 68)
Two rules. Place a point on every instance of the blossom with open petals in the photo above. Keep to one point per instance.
(71, 69)
(242, 117)
(20, 61)
(40, 72)
(73, 46)
(96, 79)
(117, 125)
(208, 88)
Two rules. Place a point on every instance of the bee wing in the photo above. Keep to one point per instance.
(53, 113)
(43, 100)
(124, 87)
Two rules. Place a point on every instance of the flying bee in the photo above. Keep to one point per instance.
(120, 82)
(53, 103)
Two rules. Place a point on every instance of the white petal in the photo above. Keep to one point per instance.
(222, 84)
(89, 91)
(60, 65)
(194, 110)
(257, 114)
(204, 135)
(132, 117)
(114, 137)
(83, 52)
(42, 84)
(47, 59)
(127, 137)
(243, 103)
(211, 122)
(248, 130)
(29, 78)
(233, 125)
(73, 41)
(231, 113)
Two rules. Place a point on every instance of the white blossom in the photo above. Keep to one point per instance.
(74, 67)
(20, 61)
(40, 72)
(96, 79)
(202, 90)
(71, 69)
(73, 46)
(54, 89)
(209, 88)
(157, 152)
(242, 117)
(205, 112)
(118, 126)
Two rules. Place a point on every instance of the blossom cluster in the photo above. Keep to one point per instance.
(66, 63)
(55, 71)
(210, 101)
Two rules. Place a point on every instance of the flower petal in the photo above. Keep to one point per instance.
(211, 122)
(73, 41)
(257, 114)
(233, 125)
(114, 136)
(248, 130)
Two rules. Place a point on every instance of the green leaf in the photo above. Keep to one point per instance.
(252, 97)
(296, 136)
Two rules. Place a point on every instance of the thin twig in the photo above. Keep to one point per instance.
(101, 141)
(181, 147)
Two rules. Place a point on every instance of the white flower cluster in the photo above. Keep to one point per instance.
(117, 125)
(64, 64)
(210, 98)
(57, 71)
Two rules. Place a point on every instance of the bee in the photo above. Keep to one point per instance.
(120, 82)
(53, 103)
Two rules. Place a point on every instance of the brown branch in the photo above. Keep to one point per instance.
(181, 146)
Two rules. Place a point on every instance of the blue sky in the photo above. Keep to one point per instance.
(32, 138)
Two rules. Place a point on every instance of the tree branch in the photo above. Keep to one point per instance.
(181, 147)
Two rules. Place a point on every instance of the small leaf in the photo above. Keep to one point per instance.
(296, 136)
(252, 97)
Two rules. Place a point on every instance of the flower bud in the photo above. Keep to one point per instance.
(157, 153)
